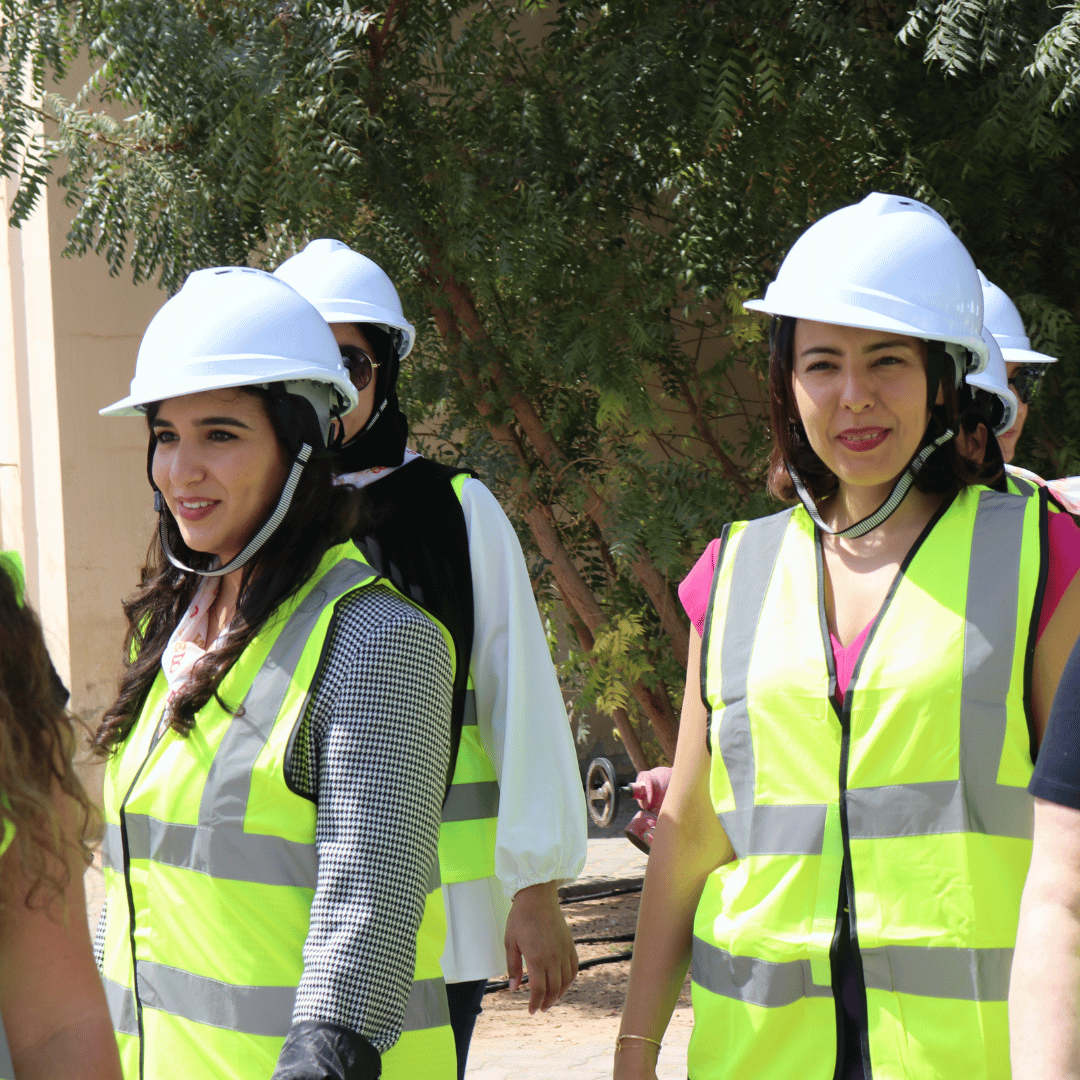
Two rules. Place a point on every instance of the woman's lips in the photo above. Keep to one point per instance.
(862, 439)
(195, 509)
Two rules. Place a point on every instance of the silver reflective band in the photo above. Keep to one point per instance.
(427, 1006)
(468, 716)
(937, 807)
(467, 802)
(7, 1070)
(768, 829)
(121, 1002)
(227, 853)
(925, 971)
(112, 847)
(922, 971)
(254, 1010)
(757, 982)
(755, 559)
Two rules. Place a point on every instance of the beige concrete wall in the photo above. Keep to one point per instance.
(74, 499)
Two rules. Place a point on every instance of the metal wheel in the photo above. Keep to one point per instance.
(602, 792)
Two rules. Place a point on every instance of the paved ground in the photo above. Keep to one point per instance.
(572, 1042)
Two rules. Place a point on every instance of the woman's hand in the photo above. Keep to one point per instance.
(536, 932)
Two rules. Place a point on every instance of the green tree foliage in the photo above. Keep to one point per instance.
(575, 200)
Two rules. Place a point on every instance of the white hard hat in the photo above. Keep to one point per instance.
(887, 263)
(1002, 319)
(234, 326)
(994, 380)
(348, 287)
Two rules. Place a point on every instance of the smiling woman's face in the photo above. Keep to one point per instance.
(861, 396)
(219, 467)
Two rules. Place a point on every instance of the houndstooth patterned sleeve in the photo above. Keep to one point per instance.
(372, 752)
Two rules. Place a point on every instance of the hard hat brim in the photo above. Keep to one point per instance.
(357, 311)
(182, 380)
(841, 314)
(1027, 356)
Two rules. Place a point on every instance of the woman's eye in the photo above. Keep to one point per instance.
(820, 365)
(164, 436)
(221, 436)
(889, 360)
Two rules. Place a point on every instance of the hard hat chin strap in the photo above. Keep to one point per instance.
(886, 509)
(257, 541)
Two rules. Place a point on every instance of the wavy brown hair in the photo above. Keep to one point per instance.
(320, 516)
(37, 745)
(945, 472)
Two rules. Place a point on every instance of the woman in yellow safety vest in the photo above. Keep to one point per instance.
(53, 1018)
(272, 892)
(843, 846)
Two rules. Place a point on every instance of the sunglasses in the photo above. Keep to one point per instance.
(1025, 381)
(358, 364)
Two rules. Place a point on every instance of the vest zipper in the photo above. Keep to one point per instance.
(844, 715)
(158, 733)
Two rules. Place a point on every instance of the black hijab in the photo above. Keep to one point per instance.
(381, 441)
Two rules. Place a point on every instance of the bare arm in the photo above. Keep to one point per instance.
(1044, 993)
(51, 997)
(687, 846)
(1052, 652)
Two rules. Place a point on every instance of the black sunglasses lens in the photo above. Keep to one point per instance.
(1025, 381)
(358, 364)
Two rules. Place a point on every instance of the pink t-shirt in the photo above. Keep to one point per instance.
(1064, 564)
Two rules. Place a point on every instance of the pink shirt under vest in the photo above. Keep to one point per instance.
(1064, 563)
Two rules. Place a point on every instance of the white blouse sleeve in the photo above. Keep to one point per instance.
(541, 834)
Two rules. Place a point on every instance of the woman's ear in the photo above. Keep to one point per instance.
(972, 444)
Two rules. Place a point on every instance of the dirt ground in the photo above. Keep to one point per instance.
(594, 1003)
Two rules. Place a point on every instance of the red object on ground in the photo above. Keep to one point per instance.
(649, 790)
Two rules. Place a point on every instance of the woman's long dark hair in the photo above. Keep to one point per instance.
(321, 515)
(945, 472)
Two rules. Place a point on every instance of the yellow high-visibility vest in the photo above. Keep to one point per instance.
(210, 870)
(913, 794)
(471, 810)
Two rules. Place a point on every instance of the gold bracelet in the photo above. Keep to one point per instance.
(642, 1038)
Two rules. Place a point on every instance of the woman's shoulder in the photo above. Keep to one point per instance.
(379, 609)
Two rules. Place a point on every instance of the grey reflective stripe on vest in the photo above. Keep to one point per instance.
(974, 802)
(220, 853)
(755, 559)
(468, 714)
(427, 1006)
(121, 1002)
(1024, 487)
(253, 1010)
(464, 802)
(923, 971)
(757, 982)
(7, 1070)
(943, 972)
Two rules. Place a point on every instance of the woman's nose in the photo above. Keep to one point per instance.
(183, 464)
(856, 392)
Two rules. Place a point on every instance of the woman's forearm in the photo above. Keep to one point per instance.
(1044, 991)
(83, 1050)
